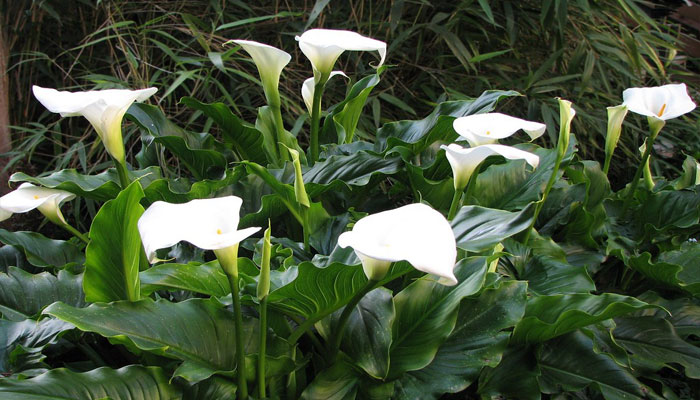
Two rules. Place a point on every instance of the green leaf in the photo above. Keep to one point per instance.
(30, 293)
(685, 314)
(355, 169)
(478, 228)
(367, 338)
(21, 342)
(197, 331)
(133, 382)
(676, 269)
(569, 363)
(547, 317)
(182, 190)
(670, 209)
(245, 139)
(42, 251)
(266, 124)
(339, 126)
(208, 279)
(515, 377)
(112, 256)
(417, 135)
(101, 187)
(655, 340)
(548, 275)
(200, 153)
(478, 340)
(212, 388)
(339, 382)
(426, 313)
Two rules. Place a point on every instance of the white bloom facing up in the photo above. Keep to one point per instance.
(103, 108)
(464, 161)
(270, 62)
(662, 102)
(323, 47)
(308, 88)
(415, 233)
(210, 224)
(28, 197)
(487, 128)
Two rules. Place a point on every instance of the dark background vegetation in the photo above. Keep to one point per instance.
(582, 50)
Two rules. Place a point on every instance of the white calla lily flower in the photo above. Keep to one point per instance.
(28, 197)
(323, 47)
(662, 102)
(415, 233)
(270, 62)
(210, 224)
(464, 161)
(308, 88)
(487, 128)
(104, 109)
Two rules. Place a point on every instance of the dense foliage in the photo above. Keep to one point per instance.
(558, 283)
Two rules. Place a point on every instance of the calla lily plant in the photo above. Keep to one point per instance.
(487, 128)
(210, 224)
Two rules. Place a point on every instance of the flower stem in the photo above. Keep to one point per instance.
(345, 316)
(547, 189)
(263, 347)
(316, 120)
(305, 227)
(654, 128)
(456, 200)
(76, 233)
(279, 127)
(228, 258)
(124, 180)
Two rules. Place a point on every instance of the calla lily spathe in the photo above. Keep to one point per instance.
(103, 108)
(662, 102)
(270, 62)
(28, 197)
(464, 161)
(323, 47)
(487, 128)
(415, 233)
(209, 224)
(308, 87)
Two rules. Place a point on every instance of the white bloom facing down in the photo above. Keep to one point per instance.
(28, 197)
(464, 161)
(269, 60)
(662, 102)
(308, 88)
(487, 128)
(103, 108)
(415, 233)
(209, 224)
(323, 47)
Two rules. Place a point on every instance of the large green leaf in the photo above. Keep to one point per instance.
(11, 256)
(478, 340)
(112, 256)
(426, 313)
(21, 342)
(367, 338)
(438, 125)
(200, 153)
(547, 317)
(685, 313)
(133, 382)
(670, 209)
(655, 341)
(198, 331)
(30, 293)
(42, 251)
(355, 169)
(515, 377)
(182, 190)
(569, 363)
(478, 228)
(675, 269)
(246, 140)
(549, 275)
(339, 382)
(339, 126)
(208, 279)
